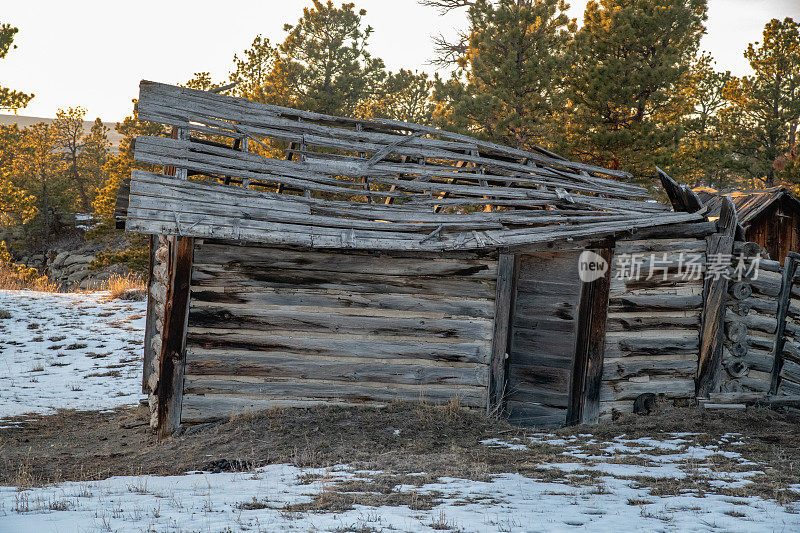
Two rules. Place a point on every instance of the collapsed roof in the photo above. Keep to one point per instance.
(749, 204)
(275, 175)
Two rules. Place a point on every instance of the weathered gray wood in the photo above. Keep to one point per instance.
(595, 310)
(321, 389)
(173, 340)
(353, 262)
(711, 334)
(180, 106)
(629, 390)
(789, 270)
(343, 301)
(349, 369)
(342, 345)
(215, 276)
(291, 320)
(504, 302)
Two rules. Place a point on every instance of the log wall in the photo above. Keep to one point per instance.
(750, 326)
(789, 382)
(271, 326)
(653, 326)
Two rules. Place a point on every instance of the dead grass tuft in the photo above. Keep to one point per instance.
(128, 287)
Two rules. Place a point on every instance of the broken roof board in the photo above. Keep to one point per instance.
(400, 171)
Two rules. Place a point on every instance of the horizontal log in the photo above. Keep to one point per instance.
(629, 390)
(659, 246)
(343, 301)
(673, 342)
(324, 320)
(654, 320)
(351, 262)
(341, 345)
(246, 276)
(636, 366)
(655, 302)
(331, 390)
(353, 370)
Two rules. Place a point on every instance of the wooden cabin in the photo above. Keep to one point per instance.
(299, 259)
(769, 217)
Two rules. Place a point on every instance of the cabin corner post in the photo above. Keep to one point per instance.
(500, 337)
(173, 338)
(584, 405)
(784, 299)
(715, 291)
(171, 362)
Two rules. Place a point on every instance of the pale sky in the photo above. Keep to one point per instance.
(92, 53)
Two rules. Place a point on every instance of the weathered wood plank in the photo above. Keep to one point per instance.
(173, 341)
(344, 302)
(332, 390)
(504, 302)
(247, 276)
(711, 336)
(352, 370)
(309, 321)
(432, 348)
(585, 402)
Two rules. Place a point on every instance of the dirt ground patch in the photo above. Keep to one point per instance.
(401, 440)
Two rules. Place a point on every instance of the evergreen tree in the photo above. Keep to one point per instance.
(38, 168)
(630, 58)
(763, 119)
(702, 157)
(252, 70)
(403, 96)
(67, 129)
(323, 65)
(10, 99)
(509, 87)
(94, 155)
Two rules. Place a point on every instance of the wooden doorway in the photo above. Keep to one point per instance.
(556, 332)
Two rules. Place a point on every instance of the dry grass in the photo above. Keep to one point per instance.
(440, 441)
(128, 287)
(19, 278)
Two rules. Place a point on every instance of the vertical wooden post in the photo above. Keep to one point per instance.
(587, 368)
(173, 340)
(715, 291)
(176, 314)
(784, 298)
(503, 302)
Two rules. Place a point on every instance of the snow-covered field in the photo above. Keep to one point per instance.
(79, 351)
(69, 351)
(257, 500)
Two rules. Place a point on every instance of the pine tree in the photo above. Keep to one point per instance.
(67, 129)
(763, 120)
(252, 70)
(324, 64)
(403, 96)
(630, 58)
(510, 84)
(38, 168)
(10, 99)
(703, 155)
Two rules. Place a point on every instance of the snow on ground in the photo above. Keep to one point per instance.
(80, 351)
(72, 351)
(255, 501)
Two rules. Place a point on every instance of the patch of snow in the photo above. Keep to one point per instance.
(69, 351)
(497, 443)
(255, 500)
